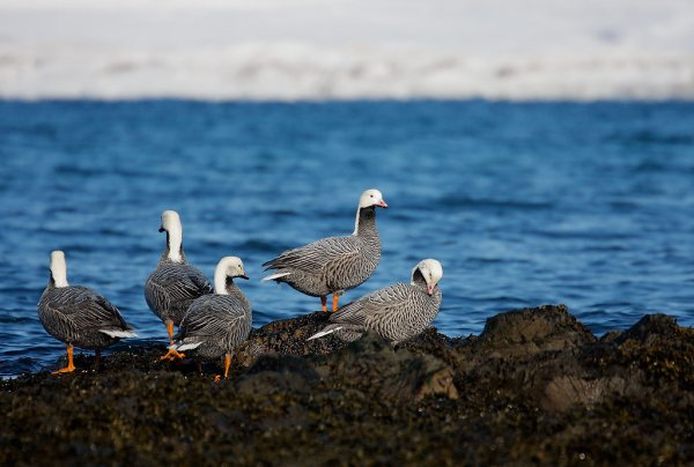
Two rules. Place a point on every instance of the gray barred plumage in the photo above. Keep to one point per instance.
(78, 315)
(172, 287)
(216, 324)
(396, 313)
(334, 264)
(174, 284)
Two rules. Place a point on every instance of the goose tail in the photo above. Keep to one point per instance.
(274, 277)
(119, 333)
(327, 330)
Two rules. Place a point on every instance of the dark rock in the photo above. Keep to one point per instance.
(528, 331)
(272, 374)
(534, 388)
(650, 327)
(389, 373)
(565, 391)
(288, 337)
(610, 337)
(433, 343)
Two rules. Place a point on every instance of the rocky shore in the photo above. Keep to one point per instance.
(535, 387)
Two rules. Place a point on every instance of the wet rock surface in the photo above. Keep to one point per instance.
(534, 387)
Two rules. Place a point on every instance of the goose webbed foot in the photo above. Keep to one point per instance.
(70, 363)
(172, 355)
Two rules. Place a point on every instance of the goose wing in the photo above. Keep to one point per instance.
(177, 283)
(211, 316)
(375, 305)
(83, 308)
(314, 256)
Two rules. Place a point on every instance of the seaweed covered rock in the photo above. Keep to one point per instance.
(651, 328)
(544, 355)
(534, 387)
(529, 331)
(288, 337)
(656, 349)
(273, 374)
(369, 364)
(389, 374)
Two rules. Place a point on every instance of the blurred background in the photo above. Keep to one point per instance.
(318, 49)
(543, 150)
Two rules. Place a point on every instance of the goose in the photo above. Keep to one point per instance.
(174, 284)
(335, 264)
(396, 313)
(78, 316)
(216, 324)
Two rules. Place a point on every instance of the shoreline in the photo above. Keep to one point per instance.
(536, 386)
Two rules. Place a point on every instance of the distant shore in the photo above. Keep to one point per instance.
(221, 50)
(308, 72)
(534, 387)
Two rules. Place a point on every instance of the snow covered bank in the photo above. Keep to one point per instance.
(306, 49)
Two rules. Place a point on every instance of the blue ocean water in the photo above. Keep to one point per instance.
(591, 205)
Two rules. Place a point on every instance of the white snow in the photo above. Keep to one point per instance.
(341, 49)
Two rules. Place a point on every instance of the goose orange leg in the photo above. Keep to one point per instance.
(70, 364)
(172, 354)
(336, 299)
(324, 304)
(227, 365)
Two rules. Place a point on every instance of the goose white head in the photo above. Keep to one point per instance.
(370, 198)
(58, 268)
(228, 267)
(171, 224)
(432, 272)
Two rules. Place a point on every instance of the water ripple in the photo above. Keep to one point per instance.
(586, 204)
